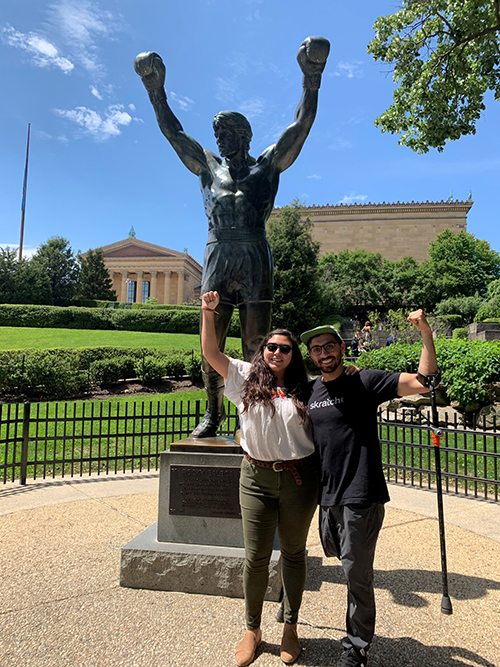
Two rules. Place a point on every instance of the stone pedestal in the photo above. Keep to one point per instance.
(196, 546)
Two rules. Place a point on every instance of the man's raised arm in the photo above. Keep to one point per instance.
(149, 66)
(311, 57)
(409, 382)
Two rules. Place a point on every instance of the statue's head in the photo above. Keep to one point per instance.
(232, 131)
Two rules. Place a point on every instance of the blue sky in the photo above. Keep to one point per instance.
(99, 165)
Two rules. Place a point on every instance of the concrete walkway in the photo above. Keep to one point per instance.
(60, 602)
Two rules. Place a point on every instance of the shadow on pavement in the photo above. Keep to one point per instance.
(405, 585)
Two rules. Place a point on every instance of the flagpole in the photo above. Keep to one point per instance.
(25, 189)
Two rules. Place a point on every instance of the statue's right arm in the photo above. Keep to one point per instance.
(149, 66)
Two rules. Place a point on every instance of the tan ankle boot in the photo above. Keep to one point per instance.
(245, 651)
(290, 646)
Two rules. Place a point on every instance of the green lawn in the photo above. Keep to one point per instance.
(20, 338)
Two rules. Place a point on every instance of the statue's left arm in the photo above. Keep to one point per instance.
(311, 57)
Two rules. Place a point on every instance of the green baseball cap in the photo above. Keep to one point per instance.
(325, 329)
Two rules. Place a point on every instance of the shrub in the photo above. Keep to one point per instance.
(461, 332)
(175, 364)
(109, 371)
(150, 370)
(193, 366)
(47, 373)
(466, 366)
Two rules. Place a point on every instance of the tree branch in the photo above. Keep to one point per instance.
(447, 23)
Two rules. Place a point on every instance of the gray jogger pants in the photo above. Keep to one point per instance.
(350, 532)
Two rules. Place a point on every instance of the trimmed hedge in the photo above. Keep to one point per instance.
(180, 319)
(66, 371)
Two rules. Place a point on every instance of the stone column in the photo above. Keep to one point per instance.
(180, 287)
(138, 295)
(123, 293)
(166, 291)
(154, 276)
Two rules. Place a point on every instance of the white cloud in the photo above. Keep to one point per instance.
(78, 24)
(95, 92)
(49, 137)
(101, 127)
(81, 23)
(353, 197)
(226, 90)
(183, 102)
(43, 52)
(253, 107)
(350, 70)
(131, 107)
(315, 176)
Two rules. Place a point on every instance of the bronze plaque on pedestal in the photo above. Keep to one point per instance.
(205, 491)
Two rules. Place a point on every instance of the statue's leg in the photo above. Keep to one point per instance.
(214, 383)
(255, 319)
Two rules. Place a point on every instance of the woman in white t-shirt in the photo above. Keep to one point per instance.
(278, 482)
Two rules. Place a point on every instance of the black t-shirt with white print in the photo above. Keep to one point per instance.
(344, 418)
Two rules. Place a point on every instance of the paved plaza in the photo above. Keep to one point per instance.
(61, 604)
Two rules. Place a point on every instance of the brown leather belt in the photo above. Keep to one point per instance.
(279, 466)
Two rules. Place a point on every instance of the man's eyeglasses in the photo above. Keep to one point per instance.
(284, 349)
(315, 350)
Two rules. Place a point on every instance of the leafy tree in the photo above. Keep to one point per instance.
(357, 276)
(463, 265)
(8, 270)
(445, 55)
(409, 284)
(466, 306)
(297, 291)
(32, 284)
(490, 308)
(56, 259)
(95, 282)
(22, 281)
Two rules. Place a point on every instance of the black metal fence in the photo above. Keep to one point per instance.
(470, 454)
(75, 439)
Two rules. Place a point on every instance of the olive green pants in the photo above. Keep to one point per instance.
(271, 500)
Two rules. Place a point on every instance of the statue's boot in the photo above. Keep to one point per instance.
(216, 413)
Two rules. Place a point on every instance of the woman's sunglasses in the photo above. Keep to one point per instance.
(284, 349)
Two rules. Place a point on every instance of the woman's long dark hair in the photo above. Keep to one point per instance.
(260, 382)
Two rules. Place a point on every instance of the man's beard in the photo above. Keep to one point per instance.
(332, 364)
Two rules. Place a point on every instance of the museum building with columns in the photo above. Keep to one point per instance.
(139, 270)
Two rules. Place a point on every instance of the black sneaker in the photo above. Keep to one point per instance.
(352, 658)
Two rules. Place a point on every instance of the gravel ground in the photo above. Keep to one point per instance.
(60, 602)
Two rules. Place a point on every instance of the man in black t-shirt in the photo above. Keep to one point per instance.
(343, 410)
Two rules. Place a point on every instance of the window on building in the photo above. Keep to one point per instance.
(146, 285)
(131, 291)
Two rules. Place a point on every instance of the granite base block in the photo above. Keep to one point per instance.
(189, 568)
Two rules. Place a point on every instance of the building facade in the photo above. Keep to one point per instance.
(140, 270)
(394, 230)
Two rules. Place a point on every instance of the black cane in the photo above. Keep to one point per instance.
(446, 607)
